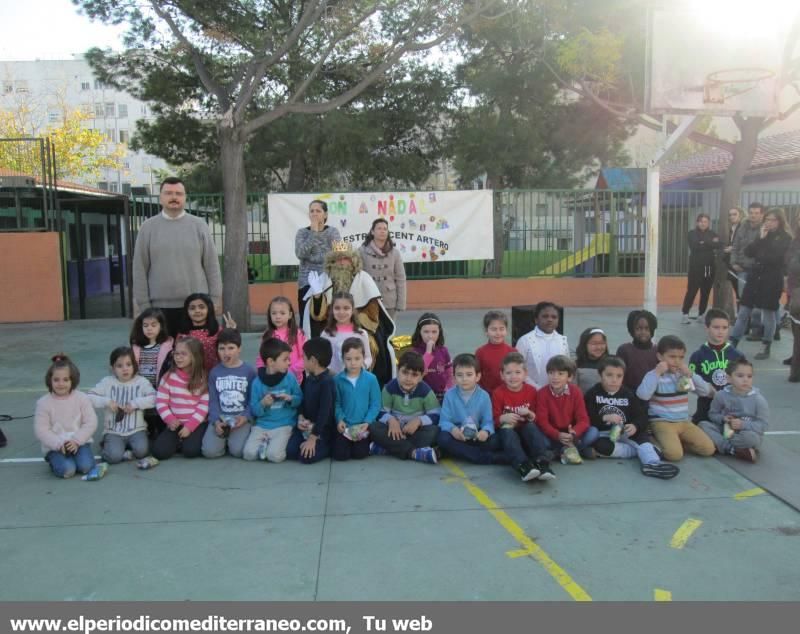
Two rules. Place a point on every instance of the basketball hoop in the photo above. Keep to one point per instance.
(722, 85)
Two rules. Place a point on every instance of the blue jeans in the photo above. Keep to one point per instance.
(543, 444)
(769, 322)
(487, 452)
(65, 466)
(520, 444)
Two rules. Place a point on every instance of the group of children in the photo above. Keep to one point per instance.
(310, 399)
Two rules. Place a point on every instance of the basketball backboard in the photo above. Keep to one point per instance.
(717, 58)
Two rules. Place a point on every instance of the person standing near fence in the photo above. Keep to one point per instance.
(702, 246)
(174, 257)
(765, 282)
(741, 263)
(385, 264)
(311, 245)
(735, 217)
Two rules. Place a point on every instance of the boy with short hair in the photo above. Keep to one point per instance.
(408, 424)
(274, 401)
(739, 414)
(311, 438)
(561, 414)
(667, 389)
(466, 428)
(621, 420)
(711, 360)
(358, 402)
(514, 410)
(229, 385)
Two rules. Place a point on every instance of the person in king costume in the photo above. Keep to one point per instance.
(343, 272)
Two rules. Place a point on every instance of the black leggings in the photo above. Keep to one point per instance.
(701, 279)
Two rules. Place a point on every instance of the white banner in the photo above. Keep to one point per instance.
(425, 226)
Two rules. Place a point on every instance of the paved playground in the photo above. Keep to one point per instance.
(385, 529)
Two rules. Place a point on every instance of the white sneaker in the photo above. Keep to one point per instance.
(685, 320)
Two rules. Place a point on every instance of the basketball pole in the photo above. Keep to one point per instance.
(653, 216)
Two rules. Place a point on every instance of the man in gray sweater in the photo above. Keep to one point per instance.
(174, 257)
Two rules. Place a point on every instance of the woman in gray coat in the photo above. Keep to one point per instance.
(385, 265)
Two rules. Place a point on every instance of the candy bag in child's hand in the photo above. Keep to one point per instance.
(570, 455)
(357, 432)
(727, 431)
(616, 431)
(119, 415)
(685, 384)
(97, 472)
(470, 430)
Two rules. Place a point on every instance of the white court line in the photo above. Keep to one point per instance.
(30, 460)
(781, 433)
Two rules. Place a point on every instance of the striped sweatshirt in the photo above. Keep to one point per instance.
(176, 404)
(667, 402)
(420, 403)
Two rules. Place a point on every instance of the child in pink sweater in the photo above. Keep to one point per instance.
(282, 324)
(182, 402)
(65, 421)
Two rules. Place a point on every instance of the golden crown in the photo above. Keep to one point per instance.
(340, 246)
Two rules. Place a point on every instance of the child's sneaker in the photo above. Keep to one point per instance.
(127, 455)
(528, 471)
(546, 473)
(262, 449)
(747, 454)
(97, 472)
(685, 319)
(663, 470)
(570, 455)
(147, 463)
(376, 450)
(426, 454)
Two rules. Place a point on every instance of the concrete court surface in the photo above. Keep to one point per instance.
(386, 529)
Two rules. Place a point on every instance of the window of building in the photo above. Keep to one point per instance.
(85, 85)
(124, 136)
(103, 185)
(126, 164)
(97, 241)
(111, 135)
(113, 187)
(126, 189)
(87, 108)
(110, 110)
(8, 87)
(53, 117)
(122, 110)
(98, 110)
(21, 85)
(98, 85)
(144, 110)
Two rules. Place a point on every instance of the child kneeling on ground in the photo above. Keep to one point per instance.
(408, 424)
(466, 428)
(513, 410)
(273, 403)
(621, 419)
(739, 414)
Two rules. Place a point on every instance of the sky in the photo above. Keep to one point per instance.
(50, 29)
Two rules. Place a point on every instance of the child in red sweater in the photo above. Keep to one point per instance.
(513, 411)
(491, 355)
(561, 417)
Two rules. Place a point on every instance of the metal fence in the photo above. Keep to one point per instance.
(585, 233)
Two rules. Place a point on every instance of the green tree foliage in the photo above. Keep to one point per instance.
(517, 125)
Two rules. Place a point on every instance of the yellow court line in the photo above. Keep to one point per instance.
(529, 547)
(662, 595)
(749, 493)
(685, 531)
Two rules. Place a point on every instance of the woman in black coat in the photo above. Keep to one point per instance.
(702, 244)
(765, 283)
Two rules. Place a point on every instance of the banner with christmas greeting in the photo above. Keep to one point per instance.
(425, 226)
